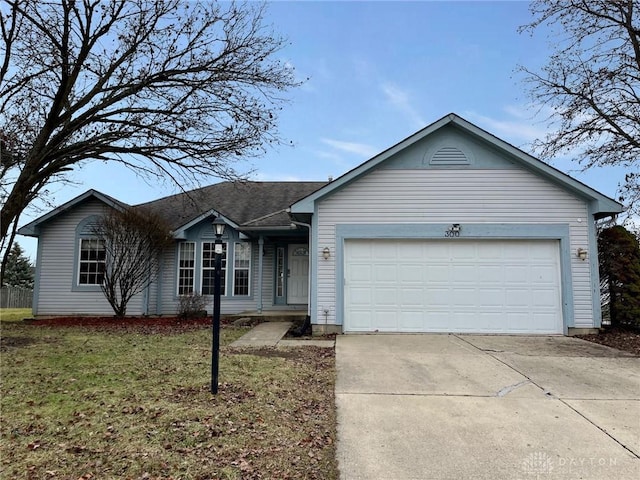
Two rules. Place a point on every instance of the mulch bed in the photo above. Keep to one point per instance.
(129, 324)
(627, 340)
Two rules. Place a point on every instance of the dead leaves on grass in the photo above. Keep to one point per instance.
(273, 416)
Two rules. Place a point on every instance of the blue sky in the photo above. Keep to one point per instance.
(378, 72)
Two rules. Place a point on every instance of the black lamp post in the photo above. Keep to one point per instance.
(218, 228)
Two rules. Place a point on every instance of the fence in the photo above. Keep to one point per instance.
(14, 297)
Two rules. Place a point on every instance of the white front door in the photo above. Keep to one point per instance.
(298, 274)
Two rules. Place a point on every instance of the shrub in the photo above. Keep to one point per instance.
(192, 305)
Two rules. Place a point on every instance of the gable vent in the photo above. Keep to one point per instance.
(449, 156)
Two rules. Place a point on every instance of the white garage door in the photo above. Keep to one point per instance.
(483, 286)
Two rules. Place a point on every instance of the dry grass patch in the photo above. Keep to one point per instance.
(14, 314)
(94, 404)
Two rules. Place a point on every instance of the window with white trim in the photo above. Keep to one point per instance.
(92, 261)
(186, 267)
(209, 268)
(241, 268)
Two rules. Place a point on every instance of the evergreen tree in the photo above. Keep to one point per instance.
(619, 256)
(19, 271)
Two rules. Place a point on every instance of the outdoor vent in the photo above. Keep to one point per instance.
(449, 156)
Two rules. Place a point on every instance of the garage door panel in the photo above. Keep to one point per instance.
(360, 320)
(385, 273)
(543, 273)
(513, 252)
(360, 272)
(412, 297)
(437, 297)
(489, 251)
(361, 296)
(490, 297)
(463, 297)
(385, 320)
(410, 251)
(435, 252)
(409, 274)
(484, 286)
(411, 321)
(437, 273)
(383, 250)
(464, 273)
(385, 297)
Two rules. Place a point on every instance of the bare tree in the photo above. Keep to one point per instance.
(173, 88)
(591, 85)
(132, 242)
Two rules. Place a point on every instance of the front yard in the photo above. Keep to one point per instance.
(134, 403)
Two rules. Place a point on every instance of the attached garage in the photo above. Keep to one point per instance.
(454, 230)
(452, 285)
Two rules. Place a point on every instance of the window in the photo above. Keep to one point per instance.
(209, 268)
(186, 267)
(241, 268)
(92, 262)
(280, 272)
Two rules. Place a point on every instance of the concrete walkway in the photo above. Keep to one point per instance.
(270, 334)
(444, 407)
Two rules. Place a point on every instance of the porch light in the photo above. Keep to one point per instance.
(455, 228)
(326, 253)
(218, 227)
(582, 254)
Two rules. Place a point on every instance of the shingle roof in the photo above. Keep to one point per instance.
(252, 204)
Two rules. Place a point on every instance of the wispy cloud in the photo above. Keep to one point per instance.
(360, 149)
(280, 177)
(517, 127)
(401, 100)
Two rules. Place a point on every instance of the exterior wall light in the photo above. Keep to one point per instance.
(582, 254)
(455, 228)
(326, 253)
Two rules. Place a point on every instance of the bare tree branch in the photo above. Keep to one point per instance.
(591, 85)
(185, 88)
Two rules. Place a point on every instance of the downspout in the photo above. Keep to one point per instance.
(260, 267)
(307, 322)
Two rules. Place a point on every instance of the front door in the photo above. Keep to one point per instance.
(298, 274)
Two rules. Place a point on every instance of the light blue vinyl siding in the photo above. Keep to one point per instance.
(447, 196)
(58, 292)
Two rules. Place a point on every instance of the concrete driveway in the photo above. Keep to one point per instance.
(486, 407)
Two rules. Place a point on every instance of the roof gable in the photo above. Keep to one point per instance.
(601, 204)
(32, 229)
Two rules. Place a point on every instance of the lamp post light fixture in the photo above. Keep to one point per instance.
(218, 228)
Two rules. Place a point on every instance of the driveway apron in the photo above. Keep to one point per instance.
(485, 407)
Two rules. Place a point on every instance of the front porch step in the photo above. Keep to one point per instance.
(273, 316)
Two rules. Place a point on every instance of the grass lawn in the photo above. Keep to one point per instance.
(14, 314)
(99, 403)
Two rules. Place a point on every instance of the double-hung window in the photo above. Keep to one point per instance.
(92, 262)
(209, 268)
(186, 268)
(241, 268)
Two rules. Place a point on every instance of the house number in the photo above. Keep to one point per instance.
(452, 233)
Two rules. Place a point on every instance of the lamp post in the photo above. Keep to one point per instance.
(218, 228)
